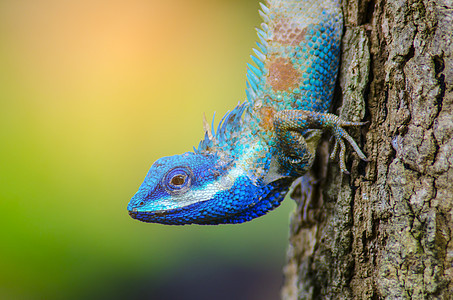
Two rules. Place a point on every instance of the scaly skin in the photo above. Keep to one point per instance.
(245, 169)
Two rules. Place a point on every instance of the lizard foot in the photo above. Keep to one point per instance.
(298, 132)
(340, 135)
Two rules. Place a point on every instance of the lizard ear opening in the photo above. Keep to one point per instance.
(274, 174)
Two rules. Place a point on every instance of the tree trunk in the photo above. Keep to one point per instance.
(385, 231)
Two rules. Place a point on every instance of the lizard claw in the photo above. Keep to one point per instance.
(342, 159)
(341, 134)
(335, 150)
(349, 123)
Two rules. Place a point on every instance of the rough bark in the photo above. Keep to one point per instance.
(385, 230)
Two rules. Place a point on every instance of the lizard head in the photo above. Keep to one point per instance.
(180, 189)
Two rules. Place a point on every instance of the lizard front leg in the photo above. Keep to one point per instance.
(298, 132)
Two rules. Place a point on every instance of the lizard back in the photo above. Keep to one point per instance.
(299, 57)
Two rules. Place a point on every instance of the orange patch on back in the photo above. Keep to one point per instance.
(287, 33)
(282, 75)
(267, 117)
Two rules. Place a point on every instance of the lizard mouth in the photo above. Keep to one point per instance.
(134, 213)
(170, 216)
(146, 216)
(157, 216)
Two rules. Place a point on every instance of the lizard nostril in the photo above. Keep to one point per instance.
(141, 203)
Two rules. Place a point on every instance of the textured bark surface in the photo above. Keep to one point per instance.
(384, 232)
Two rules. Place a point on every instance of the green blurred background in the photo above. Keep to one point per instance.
(91, 93)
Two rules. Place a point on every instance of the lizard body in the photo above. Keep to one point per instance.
(245, 168)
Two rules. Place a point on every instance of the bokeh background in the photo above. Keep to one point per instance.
(91, 93)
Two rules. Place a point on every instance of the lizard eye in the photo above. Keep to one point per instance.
(177, 180)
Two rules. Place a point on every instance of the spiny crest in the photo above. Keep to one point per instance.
(255, 74)
(227, 132)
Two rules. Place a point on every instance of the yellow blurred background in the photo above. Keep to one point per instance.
(91, 93)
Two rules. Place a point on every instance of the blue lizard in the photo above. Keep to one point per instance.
(245, 168)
